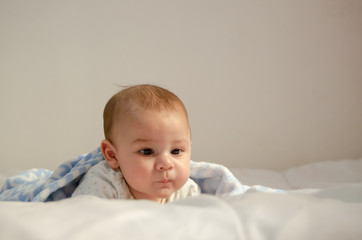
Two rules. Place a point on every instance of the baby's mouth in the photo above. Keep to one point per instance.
(165, 181)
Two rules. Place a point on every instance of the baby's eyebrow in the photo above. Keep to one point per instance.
(144, 140)
(141, 140)
(181, 141)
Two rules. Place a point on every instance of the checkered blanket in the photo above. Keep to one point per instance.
(41, 185)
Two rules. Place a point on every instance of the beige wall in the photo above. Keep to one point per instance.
(268, 84)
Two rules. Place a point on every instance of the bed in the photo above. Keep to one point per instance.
(321, 200)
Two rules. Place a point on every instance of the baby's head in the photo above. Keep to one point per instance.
(142, 97)
(148, 139)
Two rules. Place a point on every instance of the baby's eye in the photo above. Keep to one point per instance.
(176, 152)
(147, 151)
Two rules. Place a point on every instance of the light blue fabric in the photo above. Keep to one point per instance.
(41, 185)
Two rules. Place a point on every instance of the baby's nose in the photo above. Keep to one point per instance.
(164, 164)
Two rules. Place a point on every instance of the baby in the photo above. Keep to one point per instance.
(147, 148)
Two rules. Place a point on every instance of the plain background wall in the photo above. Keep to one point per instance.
(268, 84)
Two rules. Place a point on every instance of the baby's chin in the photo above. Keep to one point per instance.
(164, 195)
(166, 192)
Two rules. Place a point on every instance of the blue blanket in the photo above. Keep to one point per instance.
(41, 185)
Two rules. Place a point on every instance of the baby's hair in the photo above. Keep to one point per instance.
(145, 96)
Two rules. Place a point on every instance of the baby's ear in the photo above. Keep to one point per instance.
(109, 154)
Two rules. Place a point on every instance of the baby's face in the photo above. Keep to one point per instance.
(153, 150)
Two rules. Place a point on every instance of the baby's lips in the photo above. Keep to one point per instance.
(165, 180)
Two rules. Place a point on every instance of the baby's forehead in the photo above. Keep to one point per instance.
(137, 113)
(137, 117)
(129, 111)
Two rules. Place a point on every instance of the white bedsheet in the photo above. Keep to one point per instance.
(314, 175)
(250, 216)
(334, 212)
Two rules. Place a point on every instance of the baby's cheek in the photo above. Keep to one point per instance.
(184, 173)
(141, 170)
(137, 172)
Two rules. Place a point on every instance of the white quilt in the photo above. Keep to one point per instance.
(332, 211)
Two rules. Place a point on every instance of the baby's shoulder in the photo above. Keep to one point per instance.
(102, 169)
(189, 189)
(191, 186)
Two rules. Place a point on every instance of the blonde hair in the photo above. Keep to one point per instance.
(146, 96)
